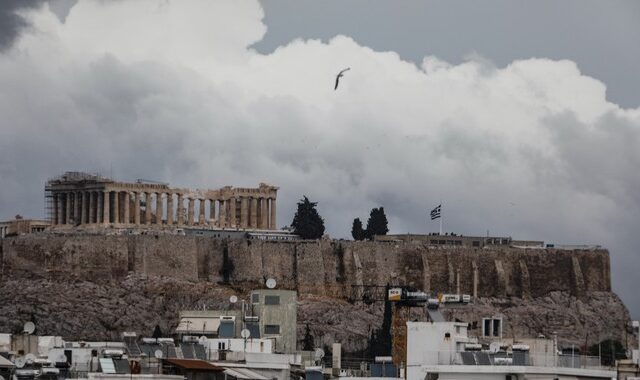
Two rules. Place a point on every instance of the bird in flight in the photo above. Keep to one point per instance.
(340, 75)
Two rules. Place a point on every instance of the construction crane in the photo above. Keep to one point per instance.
(403, 298)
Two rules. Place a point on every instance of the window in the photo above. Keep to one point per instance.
(255, 298)
(486, 331)
(492, 327)
(496, 327)
(221, 345)
(272, 300)
(475, 243)
(272, 329)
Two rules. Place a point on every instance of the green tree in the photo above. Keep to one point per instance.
(307, 223)
(227, 265)
(356, 230)
(609, 350)
(377, 223)
(308, 343)
(157, 333)
(380, 342)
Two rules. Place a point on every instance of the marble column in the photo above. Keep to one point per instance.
(106, 212)
(170, 209)
(77, 199)
(67, 208)
(212, 212)
(136, 208)
(99, 207)
(272, 222)
(116, 207)
(244, 212)
(126, 207)
(85, 208)
(159, 208)
(223, 213)
(264, 214)
(191, 203)
(201, 212)
(254, 212)
(147, 209)
(60, 207)
(92, 206)
(180, 210)
(232, 212)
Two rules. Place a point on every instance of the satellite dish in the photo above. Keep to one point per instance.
(319, 353)
(29, 328)
(20, 362)
(30, 358)
(245, 333)
(202, 340)
(271, 283)
(233, 299)
(158, 354)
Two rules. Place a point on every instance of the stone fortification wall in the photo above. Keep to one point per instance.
(327, 268)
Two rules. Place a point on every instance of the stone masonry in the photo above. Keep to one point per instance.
(86, 199)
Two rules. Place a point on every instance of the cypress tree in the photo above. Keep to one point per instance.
(307, 223)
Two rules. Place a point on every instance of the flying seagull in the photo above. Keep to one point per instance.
(338, 77)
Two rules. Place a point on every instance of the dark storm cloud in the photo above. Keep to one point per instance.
(11, 23)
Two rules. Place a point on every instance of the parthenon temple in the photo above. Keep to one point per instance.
(78, 198)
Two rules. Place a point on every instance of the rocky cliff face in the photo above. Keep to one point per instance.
(95, 287)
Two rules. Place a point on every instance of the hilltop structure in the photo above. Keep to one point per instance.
(77, 198)
(20, 225)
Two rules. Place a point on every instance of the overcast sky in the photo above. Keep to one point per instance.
(522, 118)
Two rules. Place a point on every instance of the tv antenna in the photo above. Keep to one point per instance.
(271, 283)
(29, 328)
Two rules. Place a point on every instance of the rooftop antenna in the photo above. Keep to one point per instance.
(271, 283)
(29, 328)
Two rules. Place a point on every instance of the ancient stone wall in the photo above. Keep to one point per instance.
(312, 267)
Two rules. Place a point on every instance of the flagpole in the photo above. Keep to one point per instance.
(441, 217)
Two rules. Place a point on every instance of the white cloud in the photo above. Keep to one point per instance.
(171, 90)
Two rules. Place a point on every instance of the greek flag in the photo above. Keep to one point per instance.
(435, 213)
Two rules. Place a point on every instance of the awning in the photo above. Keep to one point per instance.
(107, 366)
(198, 325)
(244, 374)
(193, 364)
(5, 363)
